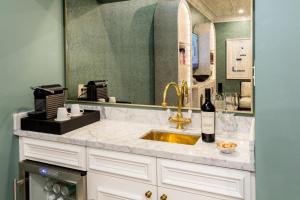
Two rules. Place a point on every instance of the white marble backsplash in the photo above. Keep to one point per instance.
(225, 122)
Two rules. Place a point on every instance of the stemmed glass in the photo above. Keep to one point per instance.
(231, 101)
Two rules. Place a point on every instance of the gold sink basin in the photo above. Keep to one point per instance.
(165, 136)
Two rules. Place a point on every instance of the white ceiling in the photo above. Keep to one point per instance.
(224, 10)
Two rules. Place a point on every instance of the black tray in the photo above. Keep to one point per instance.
(59, 128)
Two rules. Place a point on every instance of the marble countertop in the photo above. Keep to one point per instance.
(125, 136)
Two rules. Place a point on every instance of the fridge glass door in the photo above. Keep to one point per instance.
(46, 188)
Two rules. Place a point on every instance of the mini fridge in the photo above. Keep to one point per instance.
(39, 181)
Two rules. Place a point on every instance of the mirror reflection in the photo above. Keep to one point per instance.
(120, 51)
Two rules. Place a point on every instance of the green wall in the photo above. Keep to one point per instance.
(277, 31)
(31, 53)
(112, 41)
(197, 17)
(224, 31)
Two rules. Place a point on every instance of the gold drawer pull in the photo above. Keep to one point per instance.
(163, 197)
(148, 194)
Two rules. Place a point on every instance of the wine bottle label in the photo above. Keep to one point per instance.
(208, 122)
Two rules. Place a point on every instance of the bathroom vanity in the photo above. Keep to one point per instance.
(122, 165)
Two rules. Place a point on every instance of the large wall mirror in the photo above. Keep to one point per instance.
(127, 51)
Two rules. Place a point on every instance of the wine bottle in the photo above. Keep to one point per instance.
(220, 88)
(208, 119)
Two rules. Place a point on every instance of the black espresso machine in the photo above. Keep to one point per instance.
(47, 99)
(97, 90)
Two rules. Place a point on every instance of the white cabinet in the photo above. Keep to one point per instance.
(206, 181)
(170, 194)
(114, 175)
(56, 153)
(104, 187)
(120, 176)
(124, 176)
(130, 166)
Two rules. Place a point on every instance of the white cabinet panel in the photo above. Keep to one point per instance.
(253, 187)
(66, 155)
(180, 195)
(137, 167)
(103, 187)
(203, 179)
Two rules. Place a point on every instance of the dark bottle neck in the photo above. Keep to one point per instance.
(220, 88)
(207, 95)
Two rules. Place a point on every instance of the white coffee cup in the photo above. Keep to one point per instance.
(62, 114)
(112, 100)
(102, 100)
(76, 111)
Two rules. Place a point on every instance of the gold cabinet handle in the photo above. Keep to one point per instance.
(163, 197)
(148, 194)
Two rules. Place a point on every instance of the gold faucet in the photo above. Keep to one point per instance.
(182, 92)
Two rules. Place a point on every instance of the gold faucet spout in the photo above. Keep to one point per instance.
(181, 91)
(172, 84)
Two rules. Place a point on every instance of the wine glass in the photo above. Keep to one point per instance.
(230, 124)
(231, 101)
(235, 101)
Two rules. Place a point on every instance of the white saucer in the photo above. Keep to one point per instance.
(62, 120)
(77, 115)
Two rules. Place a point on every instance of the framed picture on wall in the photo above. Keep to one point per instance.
(239, 58)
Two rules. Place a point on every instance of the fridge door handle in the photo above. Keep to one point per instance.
(17, 183)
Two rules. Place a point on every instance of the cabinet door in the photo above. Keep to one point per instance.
(104, 187)
(204, 180)
(170, 194)
(55, 153)
(137, 168)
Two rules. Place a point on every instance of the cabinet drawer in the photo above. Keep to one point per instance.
(179, 195)
(203, 179)
(137, 167)
(104, 187)
(66, 155)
